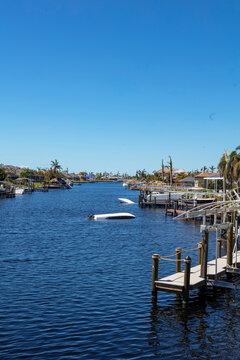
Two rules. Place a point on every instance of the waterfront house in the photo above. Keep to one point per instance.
(200, 180)
(187, 181)
(166, 173)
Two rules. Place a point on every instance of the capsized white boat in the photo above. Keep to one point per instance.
(112, 216)
(126, 201)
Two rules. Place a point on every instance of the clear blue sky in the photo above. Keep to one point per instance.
(119, 84)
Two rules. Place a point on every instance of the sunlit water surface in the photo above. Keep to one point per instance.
(73, 288)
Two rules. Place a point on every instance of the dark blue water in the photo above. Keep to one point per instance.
(73, 288)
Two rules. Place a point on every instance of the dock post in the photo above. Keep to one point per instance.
(219, 248)
(174, 209)
(229, 245)
(199, 253)
(178, 259)
(155, 258)
(140, 201)
(187, 268)
(166, 207)
(204, 255)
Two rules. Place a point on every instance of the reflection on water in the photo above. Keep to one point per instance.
(207, 327)
(72, 288)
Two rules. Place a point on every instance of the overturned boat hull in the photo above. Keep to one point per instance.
(112, 216)
(125, 201)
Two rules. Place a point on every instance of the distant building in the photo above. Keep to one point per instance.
(187, 181)
(167, 172)
(201, 179)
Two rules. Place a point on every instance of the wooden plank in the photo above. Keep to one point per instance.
(175, 282)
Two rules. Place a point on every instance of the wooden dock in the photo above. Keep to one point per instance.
(175, 283)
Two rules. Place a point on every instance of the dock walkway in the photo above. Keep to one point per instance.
(175, 283)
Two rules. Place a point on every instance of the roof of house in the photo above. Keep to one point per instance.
(204, 175)
(167, 170)
(214, 177)
(188, 179)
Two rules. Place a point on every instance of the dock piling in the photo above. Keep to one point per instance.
(155, 258)
(229, 245)
(187, 268)
(219, 248)
(178, 259)
(199, 253)
(204, 255)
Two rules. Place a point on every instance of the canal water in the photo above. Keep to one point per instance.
(73, 288)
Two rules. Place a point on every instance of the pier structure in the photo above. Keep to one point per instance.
(174, 199)
(206, 273)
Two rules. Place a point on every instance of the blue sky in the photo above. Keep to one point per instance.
(119, 84)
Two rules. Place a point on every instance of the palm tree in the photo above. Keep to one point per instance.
(222, 168)
(170, 168)
(233, 160)
(236, 173)
(162, 169)
(55, 166)
(204, 169)
(236, 169)
(212, 168)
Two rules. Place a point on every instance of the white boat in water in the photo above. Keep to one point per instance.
(19, 191)
(112, 216)
(126, 201)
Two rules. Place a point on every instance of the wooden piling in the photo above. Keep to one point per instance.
(155, 258)
(178, 259)
(205, 260)
(166, 207)
(199, 253)
(204, 255)
(219, 248)
(174, 208)
(187, 269)
(229, 245)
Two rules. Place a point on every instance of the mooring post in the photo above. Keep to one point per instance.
(205, 256)
(199, 253)
(155, 258)
(178, 259)
(229, 245)
(174, 208)
(202, 255)
(187, 268)
(219, 247)
(140, 200)
(166, 207)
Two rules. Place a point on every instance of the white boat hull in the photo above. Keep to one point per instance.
(126, 201)
(112, 216)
